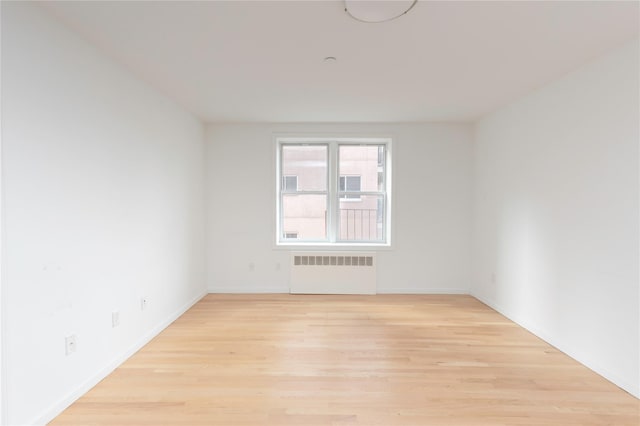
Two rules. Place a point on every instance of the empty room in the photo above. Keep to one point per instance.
(336, 212)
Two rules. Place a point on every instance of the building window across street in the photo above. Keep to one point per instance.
(290, 183)
(349, 184)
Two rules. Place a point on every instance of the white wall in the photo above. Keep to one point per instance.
(103, 196)
(557, 218)
(431, 211)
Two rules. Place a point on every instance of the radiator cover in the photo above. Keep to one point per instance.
(333, 273)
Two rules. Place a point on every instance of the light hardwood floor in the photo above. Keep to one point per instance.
(343, 360)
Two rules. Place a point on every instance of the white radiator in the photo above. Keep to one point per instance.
(333, 273)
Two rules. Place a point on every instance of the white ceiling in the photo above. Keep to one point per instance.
(239, 61)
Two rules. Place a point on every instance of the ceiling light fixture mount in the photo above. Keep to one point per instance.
(376, 11)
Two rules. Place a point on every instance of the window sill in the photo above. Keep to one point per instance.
(332, 246)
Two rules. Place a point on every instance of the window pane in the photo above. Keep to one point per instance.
(308, 163)
(305, 216)
(360, 165)
(362, 219)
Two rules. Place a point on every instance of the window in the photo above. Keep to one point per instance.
(333, 191)
(349, 184)
(290, 183)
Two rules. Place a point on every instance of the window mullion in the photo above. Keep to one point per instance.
(280, 190)
(332, 202)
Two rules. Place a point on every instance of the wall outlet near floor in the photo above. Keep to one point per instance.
(144, 302)
(115, 319)
(70, 343)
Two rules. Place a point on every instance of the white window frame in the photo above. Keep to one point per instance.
(333, 200)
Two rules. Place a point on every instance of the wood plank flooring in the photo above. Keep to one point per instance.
(350, 360)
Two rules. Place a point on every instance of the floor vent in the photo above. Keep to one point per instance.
(333, 273)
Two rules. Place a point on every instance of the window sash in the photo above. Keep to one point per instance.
(282, 237)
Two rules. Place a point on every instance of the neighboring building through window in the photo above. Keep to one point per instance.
(349, 184)
(333, 191)
(290, 183)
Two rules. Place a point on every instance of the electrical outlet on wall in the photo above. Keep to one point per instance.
(144, 302)
(115, 319)
(70, 343)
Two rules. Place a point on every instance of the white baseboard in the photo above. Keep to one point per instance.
(577, 355)
(417, 290)
(248, 290)
(69, 399)
(280, 290)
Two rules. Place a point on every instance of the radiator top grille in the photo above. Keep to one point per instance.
(332, 260)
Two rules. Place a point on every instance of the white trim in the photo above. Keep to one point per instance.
(248, 290)
(417, 290)
(304, 246)
(280, 290)
(578, 355)
(356, 140)
(69, 399)
(333, 186)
